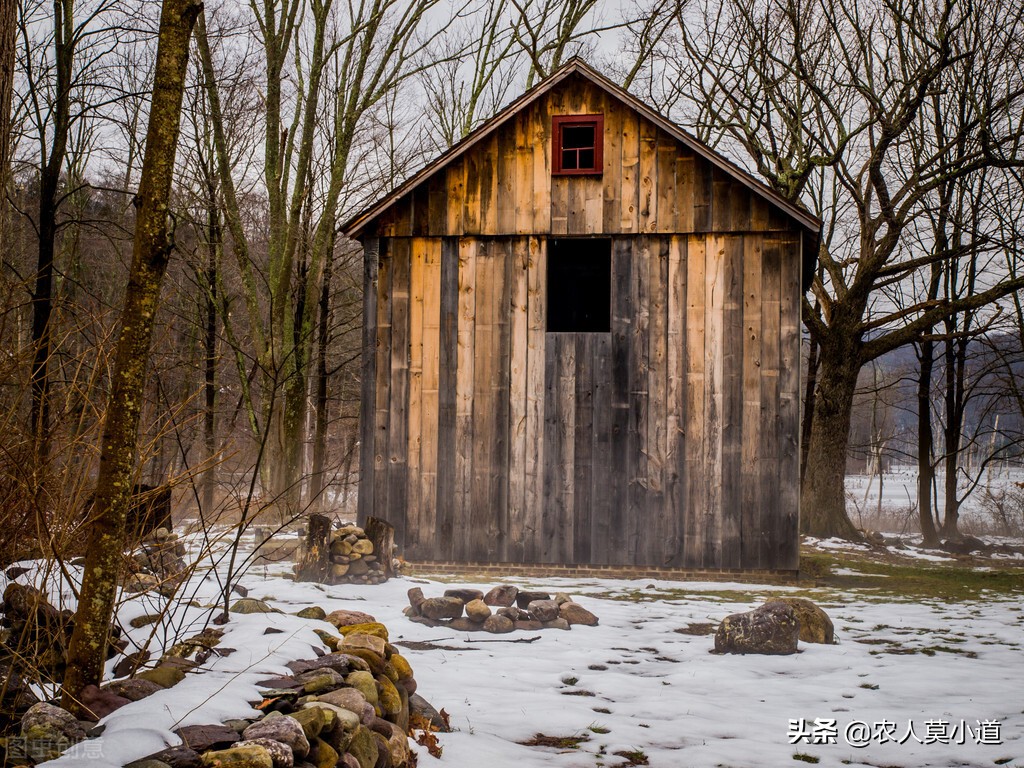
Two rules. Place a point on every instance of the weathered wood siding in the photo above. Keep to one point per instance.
(651, 183)
(671, 440)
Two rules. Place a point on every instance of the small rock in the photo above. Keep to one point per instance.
(771, 629)
(178, 757)
(498, 624)
(463, 624)
(343, 618)
(815, 625)
(513, 613)
(252, 605)
(465, 595)
(442, 608)
(528, 625)
(147, 762)
(365, 684)
(558, 623)
(416, 599)
(389, 697)
(312, 612)
(351, 699)
(164, 676)
(477, 611)
(523, 599)
(360, 640)
(283, 729)
(374, 628)
(321, 680)
(133, 689)
(543, 610)
(141, 621)
(502, 595)
(364, 747)
(312, 719)
(574, 613)
(424, 709)
(562, 598)
(204, 737)
(252, 756)
(100, 702)
(363, 547)
(327, 756)
(45, 722)
(281, 754)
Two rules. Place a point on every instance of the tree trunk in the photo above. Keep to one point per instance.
(925, 471)
(823, 493)
(210, 353)
(152, 248)
(8, 23)
(808, 413)
(316, 486)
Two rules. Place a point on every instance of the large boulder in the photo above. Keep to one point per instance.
(251, 756)
(574, 613)
(771, 629)
(815, 625)
(502, 595)
(49, 730)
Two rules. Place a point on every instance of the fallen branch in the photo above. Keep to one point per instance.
(516, 640)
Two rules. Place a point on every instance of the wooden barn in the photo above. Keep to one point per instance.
(581, 345)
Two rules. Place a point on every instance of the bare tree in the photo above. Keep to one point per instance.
(833, 104)
(153, 246)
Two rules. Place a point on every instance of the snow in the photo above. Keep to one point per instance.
(654, 689)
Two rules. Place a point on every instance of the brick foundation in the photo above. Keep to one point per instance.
(543, 570)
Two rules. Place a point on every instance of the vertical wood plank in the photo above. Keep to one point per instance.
(490, 189)
(621, 341)
(630, 196)
(382, 407)
(675, 422)
(639, 449)
(482, 530)
(559, 428)
(517, 390)
(656, 530)
(536, 314)
(770, 360)
(431, 390)
(414, 517)
(466, 355)
(540, 126)
(398, 419)
(602, 536)
(437, 195)
(501, 303)
(714, 394)
(524, 185)
(648, 178)
(752, 532)
(583, 449)
(695, 532)
(732, 404)
(702, 194)
(721, 201)
(455, 174)
(506, 177)
(611, 179)
(789, 403)
(667, 193)
(368, 381)
(447, 497)
(471, 197)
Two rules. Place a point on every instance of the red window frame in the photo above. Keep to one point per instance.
(558, 123)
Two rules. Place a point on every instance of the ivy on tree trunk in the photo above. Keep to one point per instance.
(152, 249)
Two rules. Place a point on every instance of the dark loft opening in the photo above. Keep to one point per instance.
(579, 285)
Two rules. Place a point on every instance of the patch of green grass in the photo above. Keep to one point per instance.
(633, 757)
(869, 686)
(806, 758)
(949, 582)
(570, 680)
(557, 742)
(599, 729)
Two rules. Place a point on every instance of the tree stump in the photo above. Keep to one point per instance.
(315, 562)
(382, 534)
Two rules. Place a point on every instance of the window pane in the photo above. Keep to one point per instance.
(586, 158)
(569, 160)
(577, 136)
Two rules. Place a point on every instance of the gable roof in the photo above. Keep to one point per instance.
(576, 66)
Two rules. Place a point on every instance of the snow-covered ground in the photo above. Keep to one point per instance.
(635, 685)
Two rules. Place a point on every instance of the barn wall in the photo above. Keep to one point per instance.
(651, 183)
(671, 440)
